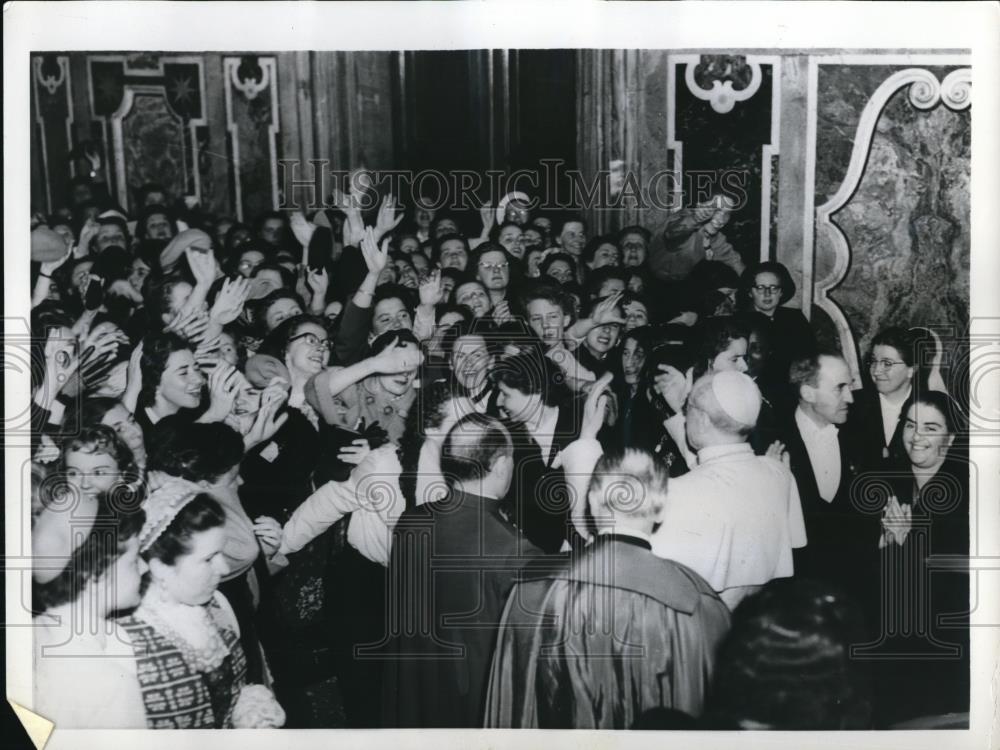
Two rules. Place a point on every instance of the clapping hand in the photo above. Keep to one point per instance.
(501, 312)
(897, 521)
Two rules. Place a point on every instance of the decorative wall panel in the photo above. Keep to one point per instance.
(252, 121)
(150, 108)
(53, 118)
(892, 169)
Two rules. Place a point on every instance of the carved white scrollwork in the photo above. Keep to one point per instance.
(925, 93)
(722, 96)
(249, 86)
(49, 82)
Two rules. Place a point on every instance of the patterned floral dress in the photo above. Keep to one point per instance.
(178, 693)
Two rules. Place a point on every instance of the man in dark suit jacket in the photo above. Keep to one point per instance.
(841, 536)
(451, 566)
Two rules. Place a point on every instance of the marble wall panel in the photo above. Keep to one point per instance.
(908, 221)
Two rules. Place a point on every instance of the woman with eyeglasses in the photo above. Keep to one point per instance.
(875, 415)
(765, 288)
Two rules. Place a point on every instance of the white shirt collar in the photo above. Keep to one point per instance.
(809, 428)
(712, 452)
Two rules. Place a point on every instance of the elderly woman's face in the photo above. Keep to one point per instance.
(194, 576)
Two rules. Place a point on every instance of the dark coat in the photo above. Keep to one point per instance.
(452, 565)
(841, 535)
(614, 633)
(867, 433)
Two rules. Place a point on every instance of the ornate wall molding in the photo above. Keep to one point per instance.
(246, 78)
(723, 97)
(53, 96)
(925, 92)
(116, 81)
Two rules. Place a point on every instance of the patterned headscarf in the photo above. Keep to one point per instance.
(168, 496)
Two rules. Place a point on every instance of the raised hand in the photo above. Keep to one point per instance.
(606, 311)
(302, 228)
(87, 233)
(431, 291)
(672, 386)
(202, 264)
(387, 220)
(230, 300)
(122, 288)
(223, 385)
(52, 266)
(395, 359)
(375, 258)
(595, 408)
(488, 215)
(318, 282)
(266, 424)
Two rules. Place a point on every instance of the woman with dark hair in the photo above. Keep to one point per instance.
(876, 415)
(155, 222)
(185, 635)
(914, 612)
(723, 347)
(467, 347)
(636, 425)
(112, 413)
(277, 306)
(172, 384)
(543, 417)
(765, 288)
(207, 457)
(559, 266)
(94, 463)
(87, 677)
(786, 663)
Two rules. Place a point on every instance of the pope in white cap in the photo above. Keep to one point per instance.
(735, 517)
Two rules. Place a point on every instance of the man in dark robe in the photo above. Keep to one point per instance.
(450, 569)
(615, 632)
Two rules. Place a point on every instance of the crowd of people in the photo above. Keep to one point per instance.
(527, 477)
